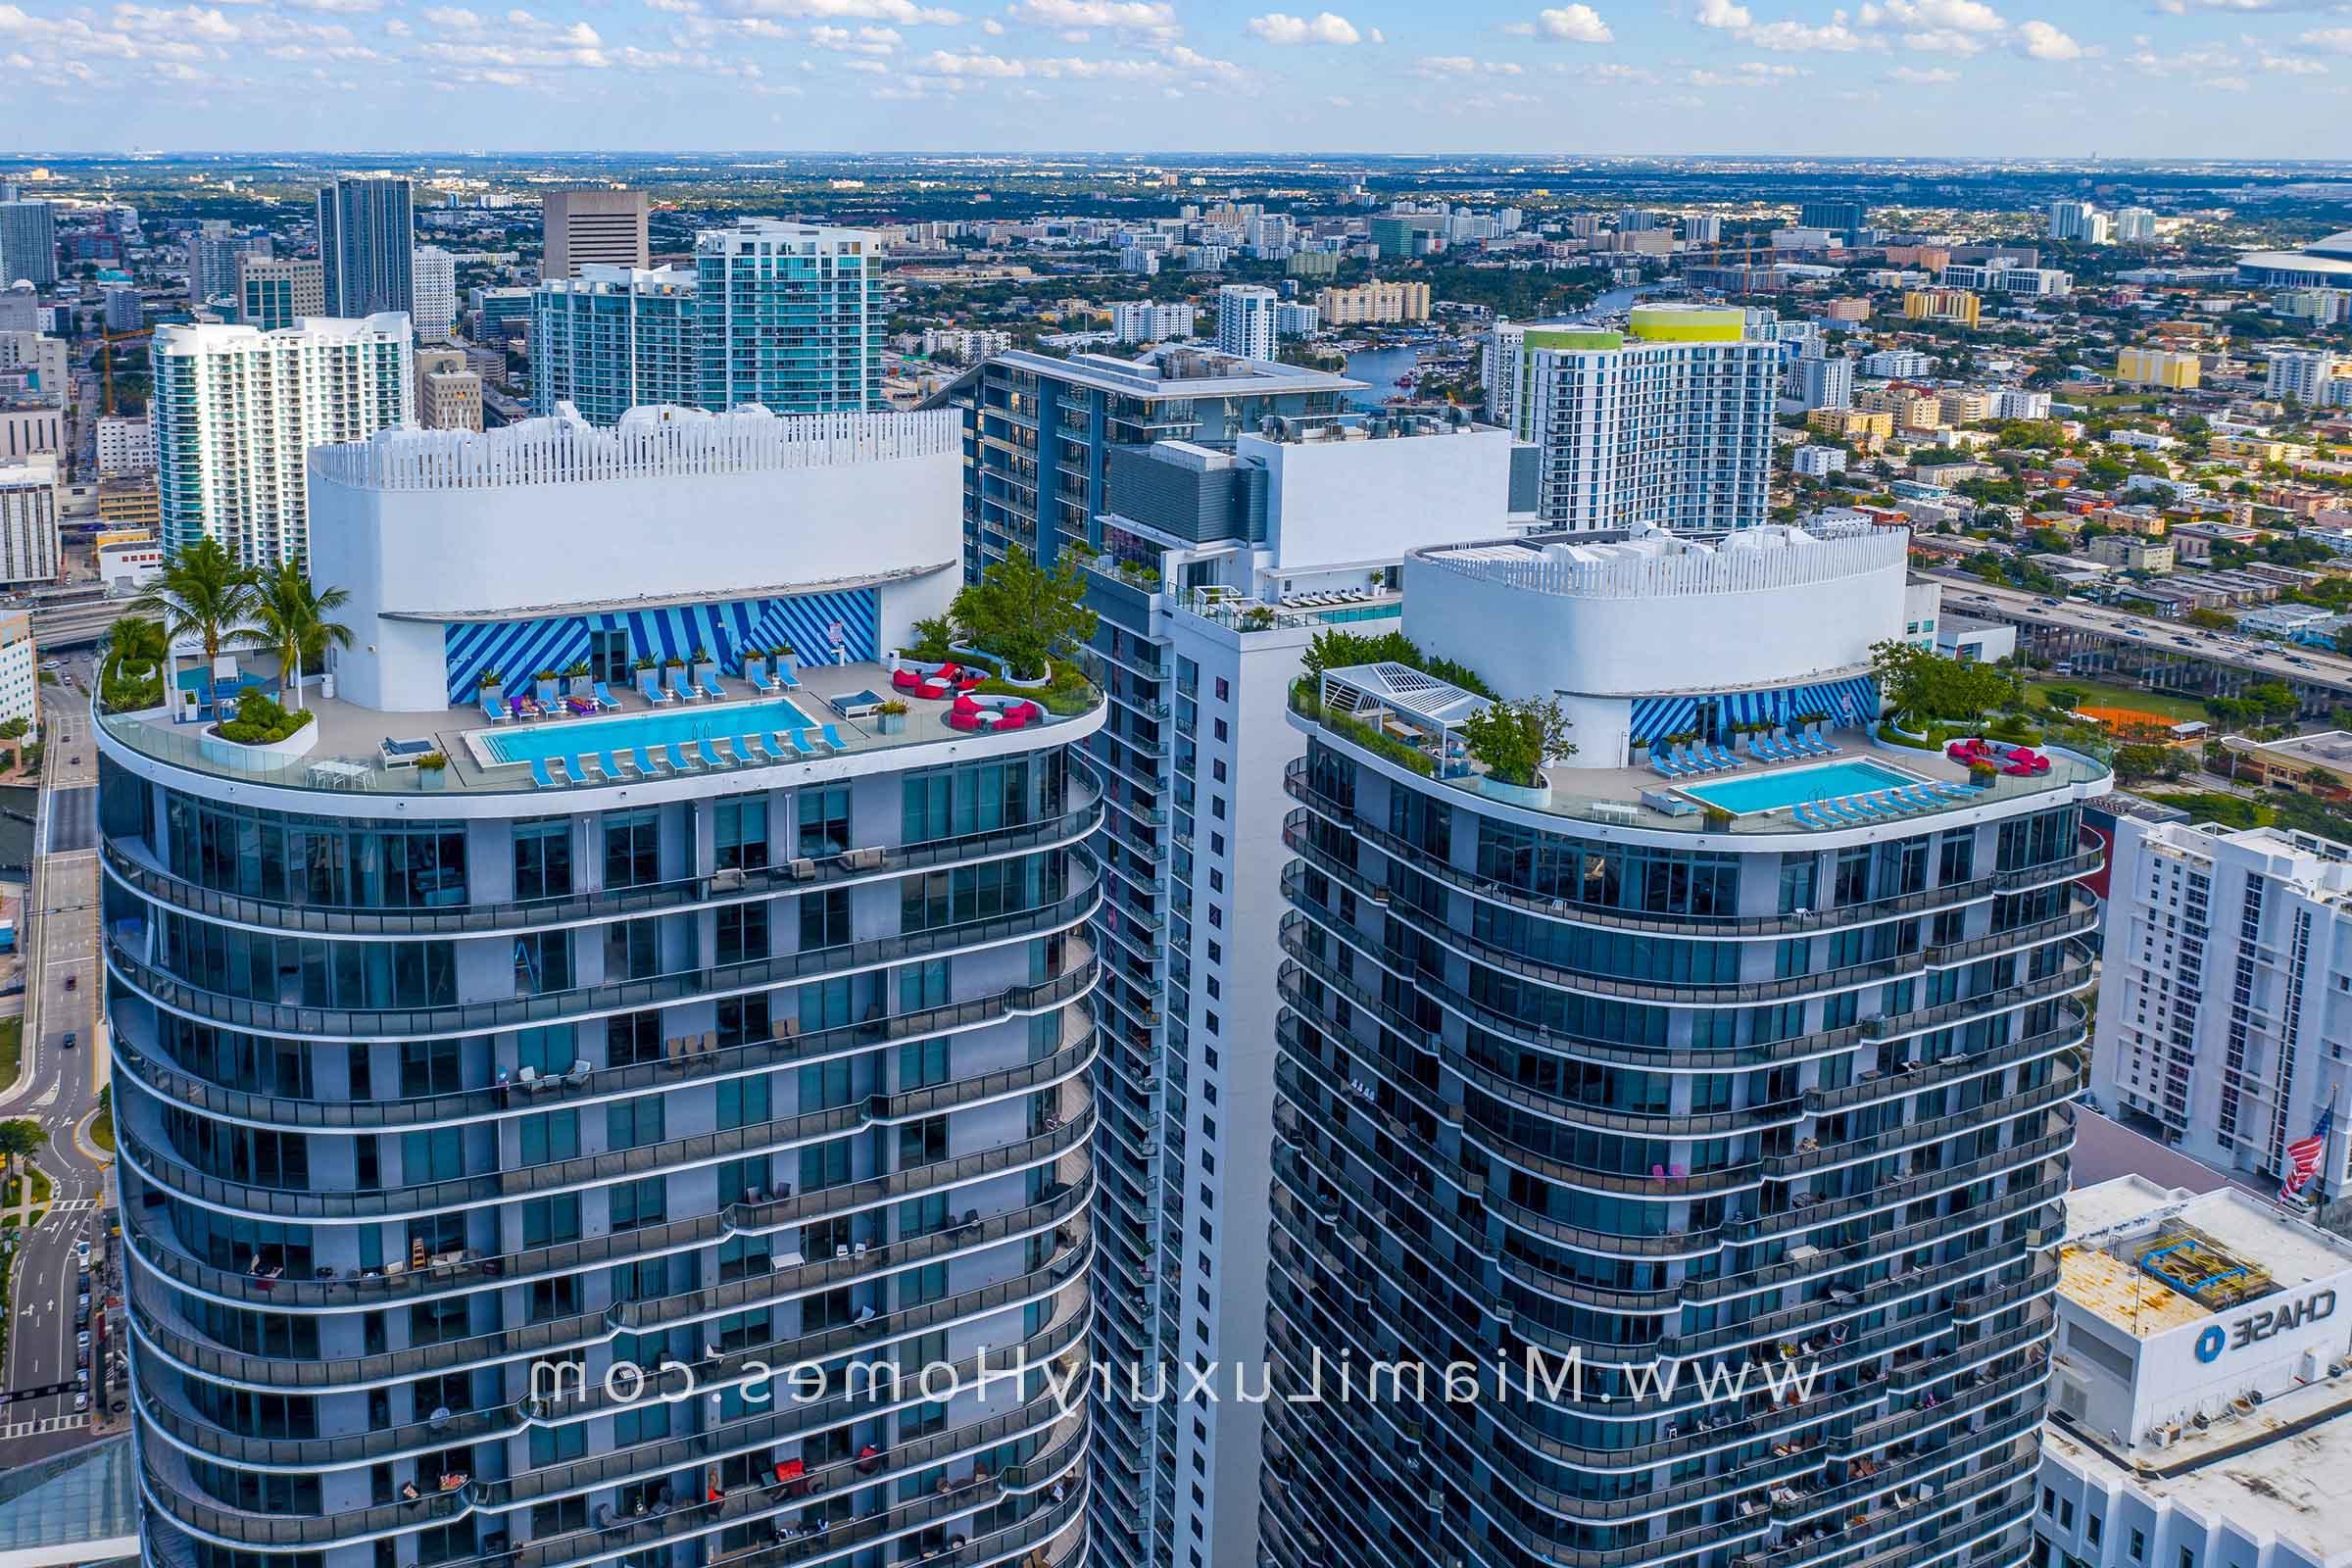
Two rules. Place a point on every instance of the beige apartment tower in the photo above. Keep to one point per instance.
(604, 224)
(449, 395)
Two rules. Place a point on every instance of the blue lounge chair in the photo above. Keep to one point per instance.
(577, 767)
(759, 682)
(1848, 810)
(611, 764)
(832, 738)
(720, 750)
(649, 686)
(646, 767)
(684, 760)
(1761, 750)
(673, 681)
(787, 679)
(788, 745)
(1817, 747)
(1659, 766)
(748, 747)
(1950, 791)
(712, 688)
(540, 775)
(1778, 750)
(494, 712)
(1725, 757)
(604, 698)
(1808, 817)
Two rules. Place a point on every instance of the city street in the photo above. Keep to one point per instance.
(58, 1087)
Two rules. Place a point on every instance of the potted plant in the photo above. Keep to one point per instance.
(1515, 740)
(700, 665)
(786, 656)
(1716, 818)
(891, 716)
(754, 665)
(493, 687)
(1641, 754)
(673, 661)
(431, 770)
(544, 684)
(1258, 618)
(576, 679)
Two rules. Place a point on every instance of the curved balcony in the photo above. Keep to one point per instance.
(1740, 993)
(267, 1374)
(312, 1455)
(1701, 926)
(2077, 976)
(170, 1081)
(594, 1171)
(460, 1019)
(145, 876)
(235, 1528)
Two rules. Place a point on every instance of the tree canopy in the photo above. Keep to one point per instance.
(1924, 685)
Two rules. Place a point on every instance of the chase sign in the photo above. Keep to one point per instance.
(2266, 1323)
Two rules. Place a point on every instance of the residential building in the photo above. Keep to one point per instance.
(29, 542)
(2197, 1387)
(609, 339)
(215, 252)
(1401, 236)
(2223, 986)
(1667, 423)
(1868, 427)
(449, 395)
(1963, 405)
(20, 671)
(1297, 320)
(2037, 281)
(435, 282)
(2134, 226)
(20, 308)
(1255, 546)
(2016, 402)
(2306, 375)
(236, 409)
(1473, 968)
(1246, 321)
(125, 444)
(274, 294)
(367, 245)
(2072, 220)
(1702, 228)
(1822, 384)
(1196, 515)
(28, 243)
(796, 1077)
(963, 344)
(131, 502)
(121, 308)
(1373, 302)
(1138, 321)
(500, 314)
(2321, 307)
(1817, 462)
(1311, 264)
(2128, 552)
(600, 226)
(1903, 364)
(791, 316)
(1913, 406)
(1955, 305)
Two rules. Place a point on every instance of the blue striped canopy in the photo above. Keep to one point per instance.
(1852, 701)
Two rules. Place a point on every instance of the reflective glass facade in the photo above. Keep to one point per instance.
(1726, 1179)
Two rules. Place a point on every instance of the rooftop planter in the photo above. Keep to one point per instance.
(263, 735)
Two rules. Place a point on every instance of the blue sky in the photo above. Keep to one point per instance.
(2243, 79)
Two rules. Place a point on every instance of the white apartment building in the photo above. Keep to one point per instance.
(2134, 226)
(1246, 321)
(125, 444)
(28, 550)
(2199, 1384)
(1899, 364)
(1818, 462)
(1667, 423)
(20, 673)
(2225, 1007)
(2016, 402)
(1146, 322)
(434, 273)
(970, 345)
(43, 356)
(2305, 374)
(1297, 320)
(237, 410)
(2074, 220)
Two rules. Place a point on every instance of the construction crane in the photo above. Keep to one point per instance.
(106, 362)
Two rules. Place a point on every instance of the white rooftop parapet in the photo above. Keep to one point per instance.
(564, 448)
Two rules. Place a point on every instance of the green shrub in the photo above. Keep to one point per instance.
(260, 721)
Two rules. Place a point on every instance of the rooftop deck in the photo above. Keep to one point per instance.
(350, 750)
(1640, 798)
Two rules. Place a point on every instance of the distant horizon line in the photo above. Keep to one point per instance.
(2055, 162)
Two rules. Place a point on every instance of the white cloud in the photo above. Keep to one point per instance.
(2039, 41)
(1833, 36)
(941, 63)
(1439, 67)
(2292, 65)
(1127, 16)
(1957, 16)
(1574, 23)
(904, 13)
(1281, 28)
(1917, 78)
(1723, 15)
(2335, 40)
(864, 41)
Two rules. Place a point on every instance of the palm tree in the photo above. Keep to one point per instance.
(290, 620)
(136, 643)
(203, 593)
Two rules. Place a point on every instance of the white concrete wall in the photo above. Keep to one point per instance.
(1332, 502)
(523, 548)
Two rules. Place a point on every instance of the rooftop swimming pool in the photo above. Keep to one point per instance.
(1792, 786)
(544, 740)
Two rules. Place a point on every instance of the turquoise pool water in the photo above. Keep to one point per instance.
(523, 741)
(1769, 792)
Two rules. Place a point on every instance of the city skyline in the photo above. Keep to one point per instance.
(1897, 77)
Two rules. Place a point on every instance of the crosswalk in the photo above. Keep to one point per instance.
(71, 1205)
(44, 1426)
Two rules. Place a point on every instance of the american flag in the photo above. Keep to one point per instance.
(2304, 1154)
